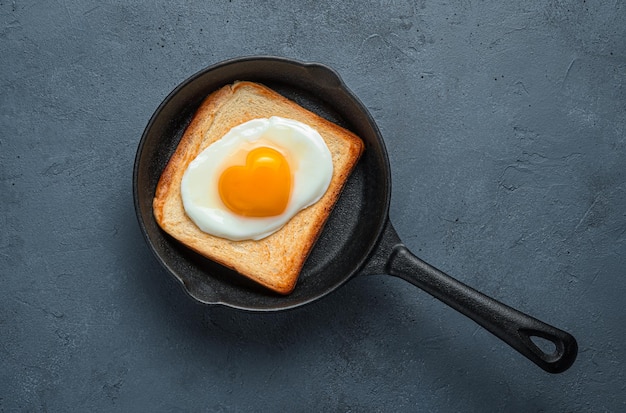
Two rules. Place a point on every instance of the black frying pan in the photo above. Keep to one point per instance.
(357, 239)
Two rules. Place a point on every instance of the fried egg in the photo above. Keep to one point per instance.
(258, 176)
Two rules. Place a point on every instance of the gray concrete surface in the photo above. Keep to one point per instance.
(506, 128)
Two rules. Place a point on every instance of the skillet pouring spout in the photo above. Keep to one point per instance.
(517, 329)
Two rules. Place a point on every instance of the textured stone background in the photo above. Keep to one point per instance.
(506, 129)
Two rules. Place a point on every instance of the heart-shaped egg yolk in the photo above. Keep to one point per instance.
(260, 188)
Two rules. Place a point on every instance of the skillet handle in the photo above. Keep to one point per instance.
(512, 326)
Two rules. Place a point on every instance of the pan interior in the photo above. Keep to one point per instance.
(353, 227)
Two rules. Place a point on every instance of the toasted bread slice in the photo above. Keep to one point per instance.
(275, 261)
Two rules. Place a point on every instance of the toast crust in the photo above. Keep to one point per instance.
(275, 261)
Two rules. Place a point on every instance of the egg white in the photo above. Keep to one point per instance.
(309, 159)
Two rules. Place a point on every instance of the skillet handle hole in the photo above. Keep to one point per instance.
(545, 346)
(553, 348)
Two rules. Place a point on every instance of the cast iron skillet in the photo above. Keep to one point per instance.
(358, 239)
